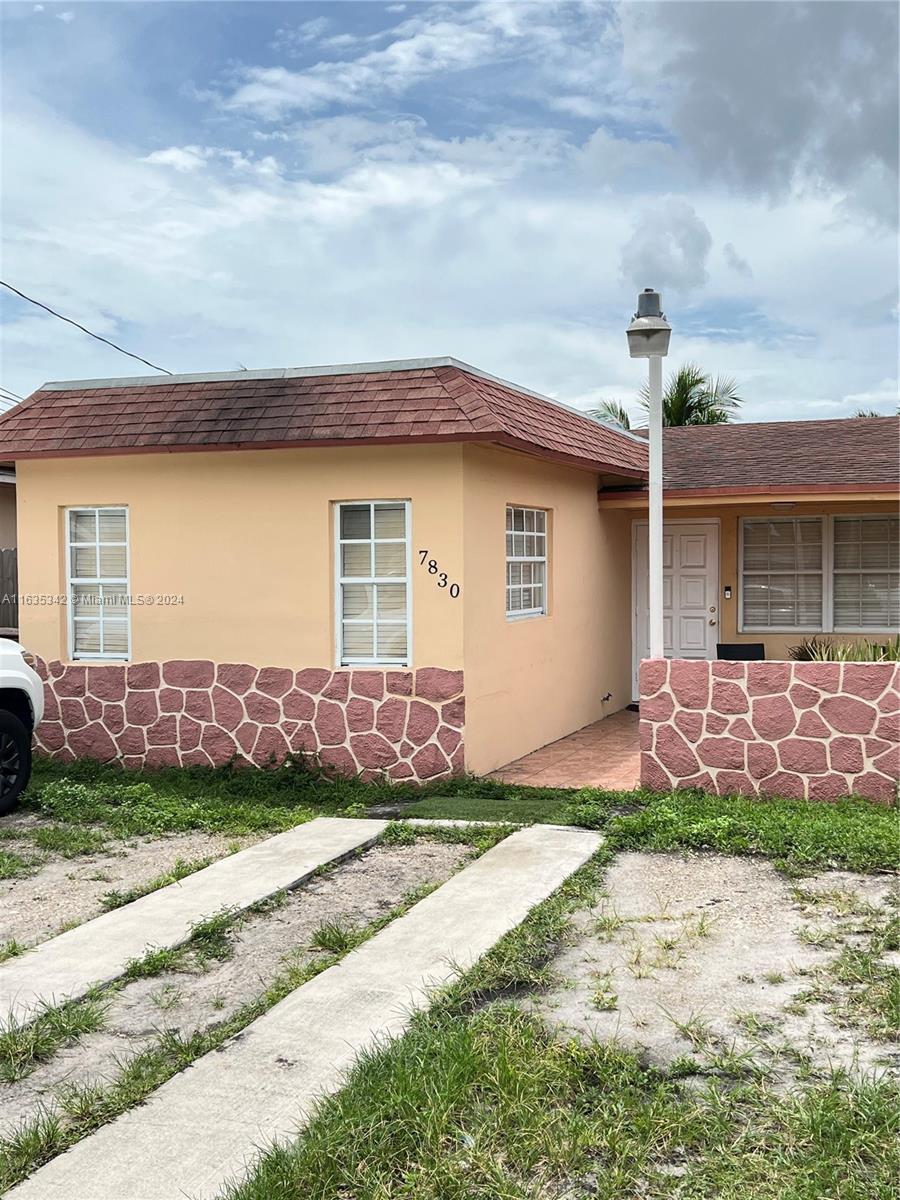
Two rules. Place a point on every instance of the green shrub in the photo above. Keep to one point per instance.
(824, 650)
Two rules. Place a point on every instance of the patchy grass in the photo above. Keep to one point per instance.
(208, 940)
(240, 800)
(22, 1047)
(492, 1107)
(12, 866)
(860, 988)
(480, 1101)
(800, 836)
(69, 840)
(11, 949)
(81, 1109)
(180, 870)
(334, 937)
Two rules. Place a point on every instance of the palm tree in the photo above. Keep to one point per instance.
(691, 397)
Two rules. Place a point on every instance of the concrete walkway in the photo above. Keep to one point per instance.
(603, 755)
(67, 966)
(206, 1125)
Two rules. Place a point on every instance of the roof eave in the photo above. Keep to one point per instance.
(483, 437)
(637, 497)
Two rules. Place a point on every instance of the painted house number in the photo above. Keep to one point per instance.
(434, 569)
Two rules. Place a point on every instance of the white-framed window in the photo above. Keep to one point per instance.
(97, 575)
(866, 570)
(828, 574)
(372, 589)
(526, 561)
(782, 573)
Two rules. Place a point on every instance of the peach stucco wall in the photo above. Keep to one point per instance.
(246, 539)
(533, 680)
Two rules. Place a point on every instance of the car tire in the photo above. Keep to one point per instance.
(15, 761)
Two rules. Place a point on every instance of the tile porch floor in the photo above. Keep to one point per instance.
(605, 754)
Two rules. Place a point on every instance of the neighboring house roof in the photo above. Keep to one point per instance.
(849, 453)
(424, 400)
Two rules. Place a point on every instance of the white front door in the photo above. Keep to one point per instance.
(690, 591)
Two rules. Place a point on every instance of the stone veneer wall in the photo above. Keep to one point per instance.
(405, 724)
(812, 730)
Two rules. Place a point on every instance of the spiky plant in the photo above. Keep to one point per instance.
(692, 397)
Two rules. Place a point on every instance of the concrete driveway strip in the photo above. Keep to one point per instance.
(206, 1126)
(67, 966)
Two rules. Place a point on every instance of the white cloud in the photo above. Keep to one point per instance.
(739, 265)
(435, 42)
(65, 16)
(296, 39)
(181, 158)
(669, 247)
(494, 232)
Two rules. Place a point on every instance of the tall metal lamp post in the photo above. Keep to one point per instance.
(648, 337)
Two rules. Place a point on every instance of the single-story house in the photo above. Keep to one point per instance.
(408, 566)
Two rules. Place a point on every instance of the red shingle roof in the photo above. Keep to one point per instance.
(864, 451)
(440, 400)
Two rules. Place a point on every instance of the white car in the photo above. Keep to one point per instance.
(21, 709)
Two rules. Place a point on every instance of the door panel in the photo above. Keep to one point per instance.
(690, 590)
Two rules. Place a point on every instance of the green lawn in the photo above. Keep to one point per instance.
(481, 1100)
(493, 1107)
(800, 836)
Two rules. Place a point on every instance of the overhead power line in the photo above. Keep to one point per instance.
(6, 393)
(69, 321)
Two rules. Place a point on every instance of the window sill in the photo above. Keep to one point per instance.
(514, 618)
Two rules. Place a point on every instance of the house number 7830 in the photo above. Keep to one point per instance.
(434, 569)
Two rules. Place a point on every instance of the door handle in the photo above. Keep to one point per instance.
(712, 620)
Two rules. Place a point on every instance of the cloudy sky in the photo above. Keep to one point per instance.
(216, 185)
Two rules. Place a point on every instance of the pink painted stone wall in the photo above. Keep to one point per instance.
(816, 731)
(404, 724)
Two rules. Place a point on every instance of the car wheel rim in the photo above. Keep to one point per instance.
(10, 764)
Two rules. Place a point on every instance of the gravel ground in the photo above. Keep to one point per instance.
(66, 891)
(700, 954)
(354, 893)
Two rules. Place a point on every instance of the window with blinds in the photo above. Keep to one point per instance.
(526, 561)
(821, 574)
(866, 572)
(372, 566)
(97, 565)
(782, 573)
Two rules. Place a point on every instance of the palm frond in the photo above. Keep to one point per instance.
(611, 412)
(692, 397)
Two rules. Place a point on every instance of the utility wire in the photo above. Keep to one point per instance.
(69, 320)
(10, 395)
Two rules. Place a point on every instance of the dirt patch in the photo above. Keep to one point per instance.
(354, 893)
(66, 891)
(717, 957)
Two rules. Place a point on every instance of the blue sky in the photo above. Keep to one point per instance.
(223, 184)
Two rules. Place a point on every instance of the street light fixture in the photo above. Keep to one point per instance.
(648, 337)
